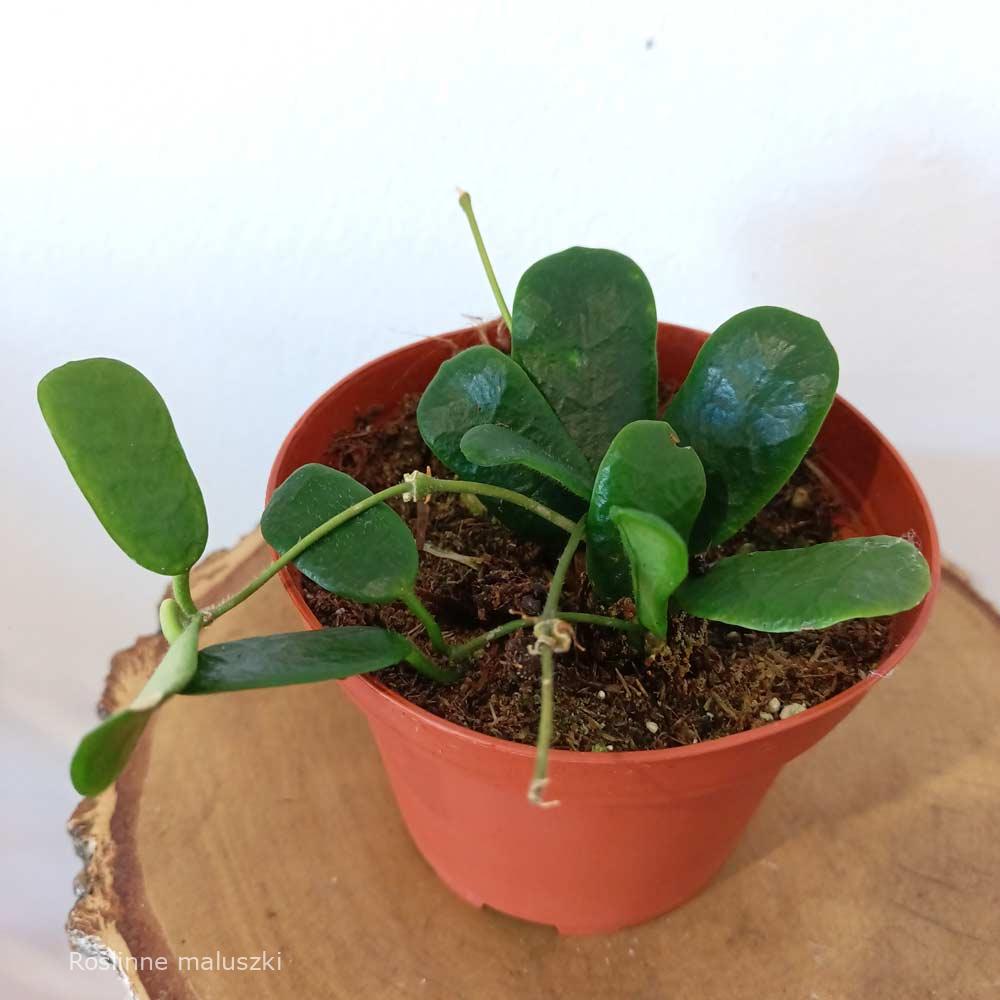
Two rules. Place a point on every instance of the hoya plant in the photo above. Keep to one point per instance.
(560, 439)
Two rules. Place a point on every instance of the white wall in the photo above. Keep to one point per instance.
(246, 203)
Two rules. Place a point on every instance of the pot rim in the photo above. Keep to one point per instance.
(929, 549)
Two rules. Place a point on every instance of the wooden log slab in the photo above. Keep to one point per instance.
(261, 822)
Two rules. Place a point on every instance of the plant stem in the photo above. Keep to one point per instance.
(419, 610)
(182, 594)
(582, 618)
(551, 608)
(427, 484)
(301, 545)
(498, 493)
(543, 741)
(466, 649)
(466, 202)
(539, 777)
(430, 669)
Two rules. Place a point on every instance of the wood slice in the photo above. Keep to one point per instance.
(261, 822)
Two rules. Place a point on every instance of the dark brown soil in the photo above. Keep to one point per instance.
(710, 680)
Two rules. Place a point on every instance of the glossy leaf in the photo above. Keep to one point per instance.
(751, 406)
(296, 658)
(104, 751)
(658, 558)
(116, 435)
(643, 469)
(814, 587)
(492, 445)
(371, 558)
(584, 329)
(483, 386)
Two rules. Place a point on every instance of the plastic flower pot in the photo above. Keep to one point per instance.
(636, 833)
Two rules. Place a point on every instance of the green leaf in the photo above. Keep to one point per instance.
(296, 658)
(814, 587)
(171, 619)
(116, 435)
(659, 561)
(371, 558)
(174, 671)
(584, 329)
(479, 386)
(646, 470)
(104, 751)
(492, 445)
(751, 406)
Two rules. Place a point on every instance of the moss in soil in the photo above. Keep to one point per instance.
(709, 680)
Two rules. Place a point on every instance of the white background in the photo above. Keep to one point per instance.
(247, 202)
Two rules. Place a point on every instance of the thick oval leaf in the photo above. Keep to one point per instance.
(174, 670)
(296, 658)
(371, 558)
(584, 329)
(644, 469)
(116, 435)
(483, 386)
(814, 587)
(658, 557)
(751, 406)
(492, 445)
(104, 751)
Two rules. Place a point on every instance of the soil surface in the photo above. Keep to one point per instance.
(709, 680)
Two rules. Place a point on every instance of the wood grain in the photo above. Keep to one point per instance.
(261, 821)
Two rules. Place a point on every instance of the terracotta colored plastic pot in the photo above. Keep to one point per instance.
(636, 833)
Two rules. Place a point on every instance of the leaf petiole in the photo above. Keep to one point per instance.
(182, 595)
(429, 668)
(420, 611)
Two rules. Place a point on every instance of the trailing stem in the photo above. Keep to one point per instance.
(549, 636)
(420, 611)
(543, 741)
(551, 639)
(415, 487)
(427, 484)
(300, 546)
(472, 646)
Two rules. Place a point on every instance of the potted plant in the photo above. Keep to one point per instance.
(607, 468)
